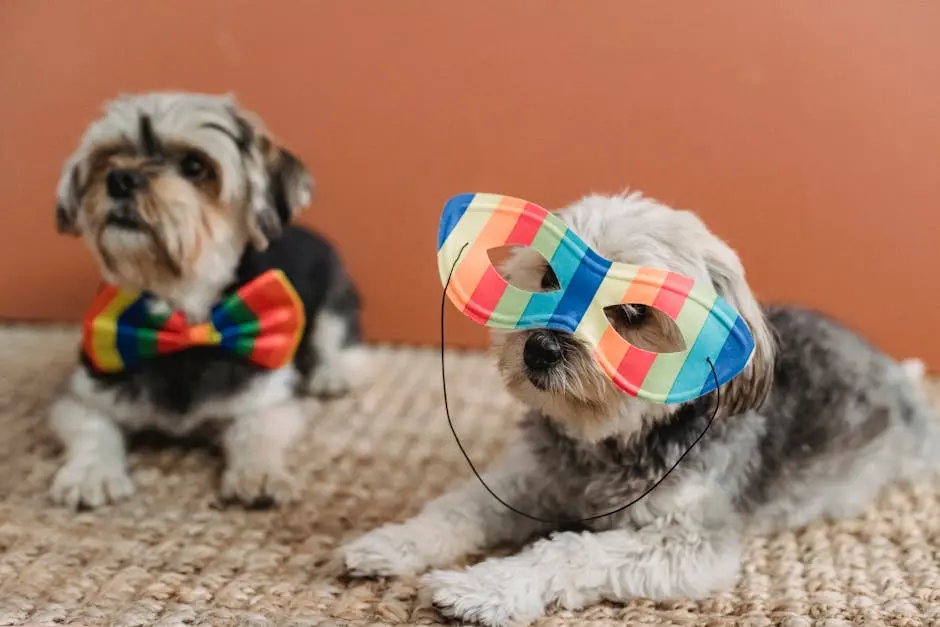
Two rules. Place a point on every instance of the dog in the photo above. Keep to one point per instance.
(817, 423)
(187, 198)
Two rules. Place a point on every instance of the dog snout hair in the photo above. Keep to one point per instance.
(124, 215)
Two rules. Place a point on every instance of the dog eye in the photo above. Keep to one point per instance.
(635, 314)
(627, 315)
(193, 167)
(549, 280)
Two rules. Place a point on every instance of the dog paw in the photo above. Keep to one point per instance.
(256, 486)
(89, 485)
(329, 382)
(492, 593)
(387, 551)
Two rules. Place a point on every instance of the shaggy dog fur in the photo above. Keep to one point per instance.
(187, 197)
(816, 425)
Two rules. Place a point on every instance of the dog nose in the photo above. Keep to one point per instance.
(122, 183)
(542, 350)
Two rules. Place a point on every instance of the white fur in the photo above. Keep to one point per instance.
(256, 446)
(456, 524)
(915, 369)
(574, 570)
(340, 367)
(95, 468)
(91, 423)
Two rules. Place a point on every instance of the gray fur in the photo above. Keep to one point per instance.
(817, 424)
(841, 421)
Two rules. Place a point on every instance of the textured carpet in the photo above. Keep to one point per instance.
(172, 556)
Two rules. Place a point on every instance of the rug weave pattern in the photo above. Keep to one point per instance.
(172, 555)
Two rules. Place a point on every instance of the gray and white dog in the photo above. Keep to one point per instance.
(815, 426)
(188, 197)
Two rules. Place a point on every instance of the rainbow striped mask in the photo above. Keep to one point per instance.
(473, 224)
(262, 322)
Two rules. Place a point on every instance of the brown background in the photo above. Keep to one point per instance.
(806, 133)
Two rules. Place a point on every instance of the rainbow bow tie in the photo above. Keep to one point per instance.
(262, 321)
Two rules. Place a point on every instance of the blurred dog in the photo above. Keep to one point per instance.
(815, 426)
(187, 198)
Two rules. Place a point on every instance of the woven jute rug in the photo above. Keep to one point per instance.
(172, 555)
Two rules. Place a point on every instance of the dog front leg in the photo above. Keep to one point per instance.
(575, 570)
(256, 446)
(456, 524)
(95, 468)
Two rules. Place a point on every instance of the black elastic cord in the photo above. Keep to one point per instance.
(518, 511)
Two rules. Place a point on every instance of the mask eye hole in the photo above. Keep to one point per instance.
(523, 267)
(645, 327)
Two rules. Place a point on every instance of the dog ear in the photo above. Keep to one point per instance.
(280, 185)
(68, 198)
(290, 186)
(749, 389)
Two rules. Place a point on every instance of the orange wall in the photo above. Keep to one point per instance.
(806, 133)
